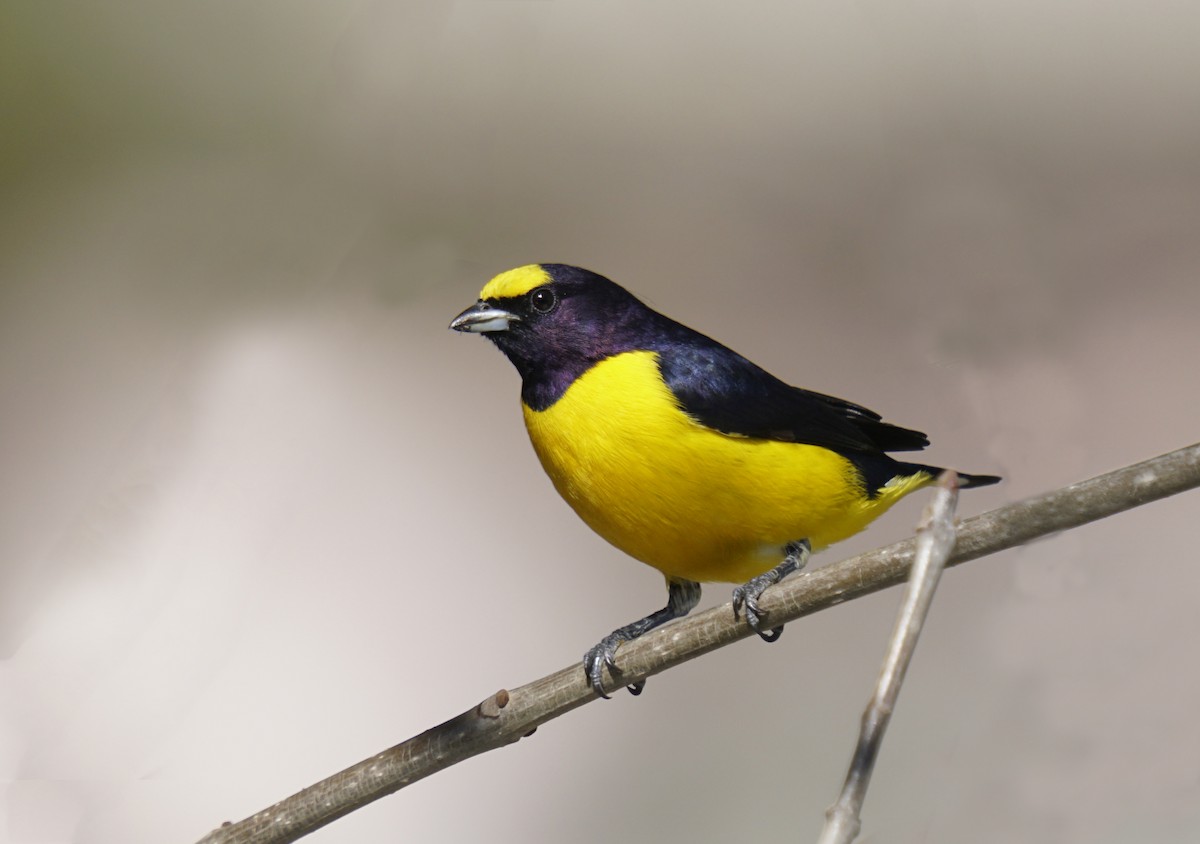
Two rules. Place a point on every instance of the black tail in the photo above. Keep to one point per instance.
(965, 481)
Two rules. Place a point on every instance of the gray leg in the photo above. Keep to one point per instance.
(796, 556)
(682, 597)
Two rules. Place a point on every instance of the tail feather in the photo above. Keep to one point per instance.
(878, 470)
(965, 481)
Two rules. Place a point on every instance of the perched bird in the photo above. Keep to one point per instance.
(681, 452)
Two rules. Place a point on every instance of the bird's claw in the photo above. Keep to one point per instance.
(604, 654)
(682, 596)
(746, 597)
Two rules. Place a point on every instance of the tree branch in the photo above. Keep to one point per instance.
(935, 542)
(507, 716)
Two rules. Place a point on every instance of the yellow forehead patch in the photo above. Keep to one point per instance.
(516, 282)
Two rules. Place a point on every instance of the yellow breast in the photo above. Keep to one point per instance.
(689, 501)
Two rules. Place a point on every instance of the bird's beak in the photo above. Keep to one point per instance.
(482, 317)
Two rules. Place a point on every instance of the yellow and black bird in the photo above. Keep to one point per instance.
(681, 452)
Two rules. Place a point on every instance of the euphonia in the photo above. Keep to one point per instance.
(681, 452)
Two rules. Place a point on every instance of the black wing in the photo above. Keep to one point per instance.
(725, 391)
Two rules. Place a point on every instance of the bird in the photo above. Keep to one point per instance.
(681, 452)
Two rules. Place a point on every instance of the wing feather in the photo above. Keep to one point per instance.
(725, 391)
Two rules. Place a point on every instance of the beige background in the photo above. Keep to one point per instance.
(262, 515)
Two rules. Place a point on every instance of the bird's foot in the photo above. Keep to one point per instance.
(682, 597)
(746, 596)
(604, 654)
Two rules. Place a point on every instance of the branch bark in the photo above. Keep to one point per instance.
(507, 716)
(935, 542)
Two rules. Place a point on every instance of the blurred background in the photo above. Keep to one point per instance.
(251, 484)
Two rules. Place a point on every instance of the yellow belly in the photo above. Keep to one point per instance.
(687, 500)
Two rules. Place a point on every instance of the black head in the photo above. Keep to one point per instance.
(553, 321)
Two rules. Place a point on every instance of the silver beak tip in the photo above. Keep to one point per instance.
(482, 318)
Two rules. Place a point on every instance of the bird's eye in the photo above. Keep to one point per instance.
(543, 300)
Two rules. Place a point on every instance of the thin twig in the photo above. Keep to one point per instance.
(935, 542)
(507, 716)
